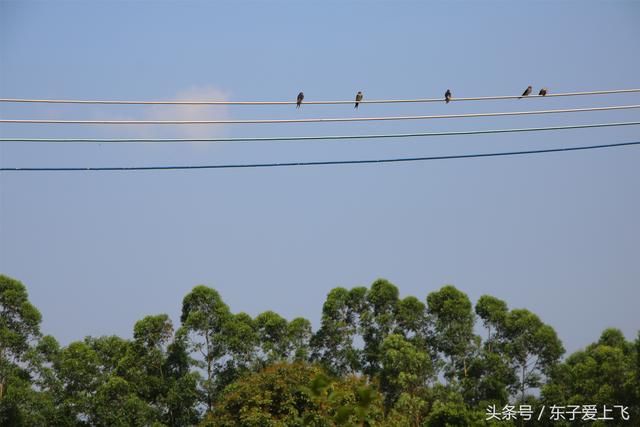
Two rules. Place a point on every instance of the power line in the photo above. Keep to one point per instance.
(318, 163)
(375, 101)
(309, 138)
(313, 120)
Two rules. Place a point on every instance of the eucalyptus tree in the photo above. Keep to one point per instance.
(273, 336)
(411, 320)
(157, 367)
(204, 317)
(299, 334)
(490, 373)
(452, 319)
(520, 340)
(19, 331)
(241, 341)
(405, 368)
(604, 373)
(333, 345)
(532, 348)
(378, 318)
(493, 312)
(24, 359)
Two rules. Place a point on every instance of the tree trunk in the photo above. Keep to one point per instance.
(209, 374)
(524, 366)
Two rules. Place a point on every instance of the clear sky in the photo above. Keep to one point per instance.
(557, 233)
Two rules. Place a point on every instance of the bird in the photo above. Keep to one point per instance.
(543, 91)
(447, 96)
(300, 98)
(359, 97)
(527, 92)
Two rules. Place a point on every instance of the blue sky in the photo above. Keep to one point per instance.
(557, 234)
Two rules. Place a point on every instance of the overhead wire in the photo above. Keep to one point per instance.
(313, 138)
(316, 163)
(316, 120)
(364, 101)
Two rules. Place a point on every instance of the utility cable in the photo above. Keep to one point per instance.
(312, 138)
(374, 101)
(317, 163)
(313, 120)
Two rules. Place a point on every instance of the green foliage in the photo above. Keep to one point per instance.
(333, 345)
(411, 318)
(273, 336)
(296, 394)
(453, 320)
(493, 313)
(299, 335)
(20, 353)
(116, 404)
(602, 374)
(380, 360)
(452, 414)
(532, 348)
(204, 317)
(270, 397)
(378, 320)
(241, 341)
(405, 368)
(488, 381)
(19, 321)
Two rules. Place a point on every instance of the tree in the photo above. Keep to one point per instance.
(299, 334)
(240, 339)
(157, 368)
(380, 362)
(182, 397)
(108, 380)
(204, 316)
(19, 330)
(297, 394)
(333, 344)
(532, 347)
(452, 414)
(21, 357)
(489, 372)
(489, 376)
(378, 320)
(493, 312)
(636, 393)
(601, 374)
(116, 403)
(405, 368)
(270, 397)
(411, 320)
(273, 335)
(79, 376)
(151, 336)
(451, 314)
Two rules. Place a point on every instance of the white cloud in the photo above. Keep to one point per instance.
(170, 112)
(190, 112)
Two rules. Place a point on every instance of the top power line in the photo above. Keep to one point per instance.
(447, 99)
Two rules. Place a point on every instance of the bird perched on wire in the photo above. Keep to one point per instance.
(526, 92)
(447, 96)
(299, 100)
(359, 97)
(543, 91)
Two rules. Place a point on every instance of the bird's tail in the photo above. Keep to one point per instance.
(356, 105)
